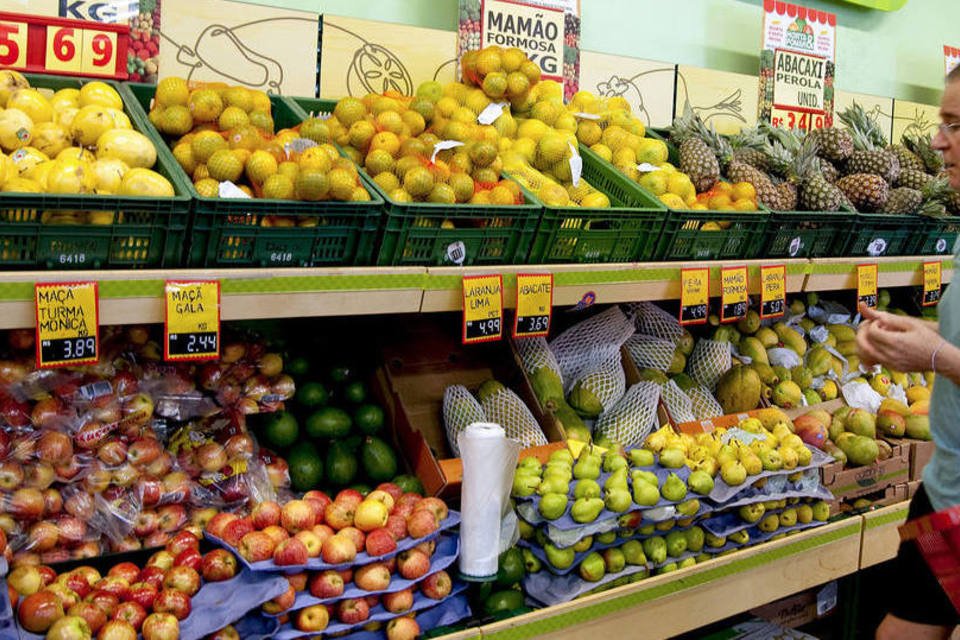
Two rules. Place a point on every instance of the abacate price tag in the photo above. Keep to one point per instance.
(694, 295)
(482, 308)
(67, 324)
(932, 282)
(867, 284)
(773, 290)
(191, 320)
(534, 305)
(733, 293)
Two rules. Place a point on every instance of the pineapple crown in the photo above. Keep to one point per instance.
(780, 157)
(866, 132)
(685, 126)
(936, 195)
(789, 139)
(922, 145)
(806, 162)
(749, 138)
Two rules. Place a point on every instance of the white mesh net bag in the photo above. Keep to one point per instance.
(505, 408)
(535, 354)
(460, 409)
(703, 403)
(633, 417)
(709, 360)
(599, 389)
(590, 342)
(677, 402)
(651, 320)
(650, 352)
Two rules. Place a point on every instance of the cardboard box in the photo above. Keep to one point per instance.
(800, 608)
(859, 481)
(920, 453)
(418, 368)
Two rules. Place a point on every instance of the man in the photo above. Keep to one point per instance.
(922, 610)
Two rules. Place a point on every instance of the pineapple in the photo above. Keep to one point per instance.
(737, 171)
(748, 148)
(830, 173)
(908, 159)
(697, 159)
(835, 144)
(866, 191)
(902, 201)
(817, 192)
(788, 195)
(922, 146)
(913, 179)
(870, 154)
(938, 198)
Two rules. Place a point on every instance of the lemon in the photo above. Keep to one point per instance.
(359, 194)
(744, 191)
(553, 195)
(405, 164)
(50, 138)
(205, 105)
(500, 194)
(481, 197)
(99, 93)
(414, 122)
(386, 141)
(672, 201)
(71, 176)
(232, 117)
(482, 154)
(485, 175)
(430, 90)
(128, 145)
(16, 129)
(10, 81)
(654, 182)
(279, 187)
(495, 84)
(679, 184)
(32, 103)
(614, 137)
(172, 91)
(602, 150)
(183, 154)
(531, 70)
(442, 193)
(91, 122)
(201, 172)
(262, 120)
(205, 143)
(388, 181)
(361, 132)
(533, 129)
(74, 152)
(315, 158)
(595, 200)
(423, 107)
(109, 174)
(652, 151)
(488, 61)
(207, 188)
(389, 121)
(315, 129)
(260, 100)
(379, 161)
(546, 112)
(400, 195)
(239, 97)
(245, 137)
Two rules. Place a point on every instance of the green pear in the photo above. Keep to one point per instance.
(526, 529)
(655, 549)
(821, 511)
(674, 489)
(645, 494)
(687, 562)
(752, 512)
(689, 507)
(733, 473)
(700, 482)
(676, 544)
(524, 485)
(788, 517)
(559, 558)
(583, 544)
(592, 568)
(531, 562)
(614, 560)
(530, 463)
(633, 552)
(607, 537)
(586, 510)
(618, 500)
(672, 458)
(612, 462)
(695, 538)
(713, 541)
(552, 505)
(553, 484)
(771, 460)
(616, 480)
(648, 477)
(804, 514)
(647, 530)
(587, 466)
(769, 523)
(561, 455)
(641, 457)
(586, 488)
(665, 525)
(739, 537)
(667, 568)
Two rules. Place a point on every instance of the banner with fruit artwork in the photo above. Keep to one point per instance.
(548, 31)
(951, 58)
(797, 65)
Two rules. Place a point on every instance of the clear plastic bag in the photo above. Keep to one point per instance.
(460, 409)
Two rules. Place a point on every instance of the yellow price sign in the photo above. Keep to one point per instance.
(482, 308)
(733, 293)
(64, 49)
(773, 290)
(534, 305)
(867, 284)
(13, 44)
(67, 324)
(192, 320)
(932, 282)
(694, 295)
(99, 52)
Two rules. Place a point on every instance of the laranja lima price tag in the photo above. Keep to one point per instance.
(67, 324)
(773, 290)
(191, 320)
(482, 308)
(733, 293)
(534, 305)
(694, 295)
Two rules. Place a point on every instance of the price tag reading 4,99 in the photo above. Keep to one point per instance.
(932, 282)
(67, 324)
(773, 291)
(192, 327)
(867, 284)
(482, 308)
(694, 295)
(733, 293)
(534, 305)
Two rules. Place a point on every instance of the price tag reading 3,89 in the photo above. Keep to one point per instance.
(867, 284)
(773, 291)
(694, 295)
(482, 308)
(932, 282)
(534, 305)
(192, 320)
(733, 293)
(67, 324)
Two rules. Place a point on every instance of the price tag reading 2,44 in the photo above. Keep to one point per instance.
(932, 282)
(694, 295)
(867, 284)
(534, 305)
(733, 293)
(773, 290)
(67, 324)
(192, 320)
(482, 308)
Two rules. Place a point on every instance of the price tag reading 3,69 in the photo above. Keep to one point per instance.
(932, 282)
(482, 308)
(694, 295)
(192, 320)
(534, 305)
(773, 290)
(733, 293)
(67, 324)
(867, 284)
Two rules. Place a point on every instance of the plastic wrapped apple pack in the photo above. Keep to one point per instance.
(316, 564)
(722, 492)
(448, 548)
(377, 614)
(8, 630)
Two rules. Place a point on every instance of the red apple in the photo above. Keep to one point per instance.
(160, 626)
(372, 577)
(218, 565)
(117, 630)
(183, 541)
(338, 549)
(25, 579)
(133, 613)
(76, 582)
(153, 575)
(312, 618)
(137, 411)
(72, 531)
(91, 575)
(265, 514)
(391, 488)
(218, 523)
(68, 597)
(69, 627)
(200, 517)
(11, 475)
(350, 497)
(114, 585)
(79, 504)
(296, 515)
(434, 504)
(256, 546)
(240, 445)
(144, 451)
(326, 584)
(382, 496)
(92, 614)
(144, 594)
(279, 473)
(188, 558)
(321, 498)
(227, 633)
(163, 559)
(235, 530)
(311, 541)
(353, 610)
(185, 579)
(277, 533)
(106, 602)
(359, 537)
(413, 564)
(88, 549)
(160, 467)
(172, 601)
(398, 601)
(421, 523)
(403, 628)
(40, 475)
(156, 539)
(38, 611)
(380, 542)
(172, 517)
(437, 586)
(397, 526)
(297, 580)
(427, 547)
(210, 457)
(54, 447)
(26, 503)
(290, 552)
(113, 452)
(322, 531)
(281, 603)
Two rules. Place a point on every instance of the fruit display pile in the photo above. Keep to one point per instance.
(124, 453)
(73, 141)
(143, 57)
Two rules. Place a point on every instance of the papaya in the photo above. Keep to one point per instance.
(749, 323)
(754, 349)
(739, 390)
(790, 338)
(787, 394)
(765, 371)
(843, 333)
(918, 427)
(819, 361)
(767, 337)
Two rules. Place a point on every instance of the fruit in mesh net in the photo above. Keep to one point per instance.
(225, 165)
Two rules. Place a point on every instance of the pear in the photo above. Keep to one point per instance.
(531, 562)
(614, 560)
(613, 462)
(606, 537)
(526, 529)
(633, 552)
(789, 458)
(804, 514)
(649, 477)
(771, 460)
(586, 488)
(645, 494)
(804, 457)
(667, 568)
(559, 558)
(753, 463)
(739, 537)
(821, 511)
(703, 557)
(700, 482)
(672, 458)
(616, 480)
(524, 485)
(561, 455)
(695, 538)
(588, 466)
(674, 489)
(788, 517)
(710, 466)
(733, 473)
(647, 530)
(687, 562)
(592, 568)
(583, 544)
(618, 501)
(586, 510)
(558, 469)
(666, 525)
(689, 507)
(769, 523)
(714, 541)
(676, 544)
(655, 549)
(530, 463)
(641, 457)
(552, 505)
(752, 512)
(553, 484)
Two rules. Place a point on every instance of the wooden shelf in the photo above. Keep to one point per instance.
(880, 536)
(829, 274)
(688, 599)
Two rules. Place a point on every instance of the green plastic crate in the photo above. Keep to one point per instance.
(938, 237)
(151, 234)
(808, 234)
(627, 231)
(884, 234)
(425, 233)
(229, 232)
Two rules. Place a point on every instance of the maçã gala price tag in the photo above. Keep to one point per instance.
(694, 295)
(482, 308)
(534, 305)
(773, 290)
(733, 293)
(867, 284)
(67, 324)
(191, 320)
